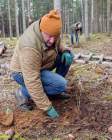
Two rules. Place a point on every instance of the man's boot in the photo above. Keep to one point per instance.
(22, 101)
(63, 96)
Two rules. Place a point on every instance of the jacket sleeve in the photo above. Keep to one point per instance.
(30, 61)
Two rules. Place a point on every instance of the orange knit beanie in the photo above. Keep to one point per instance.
(51, 23)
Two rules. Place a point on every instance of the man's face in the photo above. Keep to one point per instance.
(48, 39)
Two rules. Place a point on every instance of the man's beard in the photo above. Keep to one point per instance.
(50, 46)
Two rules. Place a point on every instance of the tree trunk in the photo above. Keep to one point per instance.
(23, 16)
(57, 5)
(108, 16)
(101, 16)
(30, 18)
(92, 16)
(66, 17)
(86, 20)
(3, 28)
(2, 23)
(28, 8)
(16, 18)
(9, 16)
(82, 14)
(98, 15)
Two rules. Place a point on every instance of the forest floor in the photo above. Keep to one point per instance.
(88, 120)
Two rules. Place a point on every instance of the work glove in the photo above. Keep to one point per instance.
(67, 58)
(52, 113)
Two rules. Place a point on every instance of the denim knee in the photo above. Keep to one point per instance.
(53, 83)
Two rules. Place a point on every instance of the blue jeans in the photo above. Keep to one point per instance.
(77, 38)
(72, 38)
(53, 83)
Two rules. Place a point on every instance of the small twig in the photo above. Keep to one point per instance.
(78, 93)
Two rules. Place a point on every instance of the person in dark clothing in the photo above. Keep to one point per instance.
(76, 29)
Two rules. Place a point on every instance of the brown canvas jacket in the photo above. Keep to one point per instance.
(30, 56)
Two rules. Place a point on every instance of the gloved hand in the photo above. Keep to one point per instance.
(52, 113)
(67, 58)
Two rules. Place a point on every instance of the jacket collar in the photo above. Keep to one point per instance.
(38, 33)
